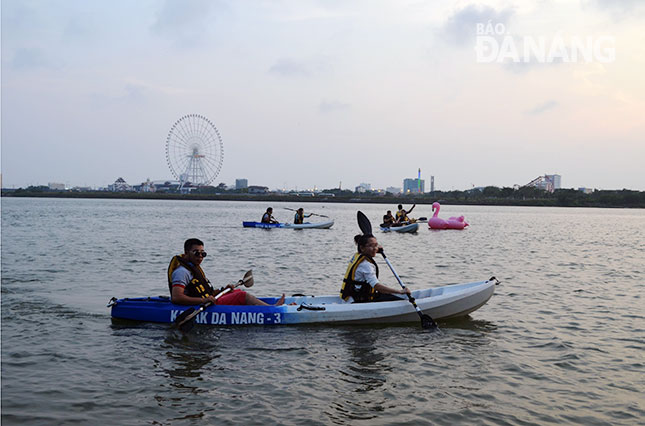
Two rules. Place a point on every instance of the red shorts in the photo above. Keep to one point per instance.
(235, 297)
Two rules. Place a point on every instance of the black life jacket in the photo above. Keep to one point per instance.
(199, 286)
(360, 291)
(297, 218)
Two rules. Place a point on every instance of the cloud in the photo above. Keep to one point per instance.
(289, 68)
(30, 58)
(185, 21)
(332, 106)
(542, 108)
(461, 28)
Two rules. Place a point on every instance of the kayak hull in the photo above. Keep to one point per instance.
(410, 228)
(306, 225)
(441, 302)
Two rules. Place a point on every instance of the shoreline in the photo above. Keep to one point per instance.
(444, 199)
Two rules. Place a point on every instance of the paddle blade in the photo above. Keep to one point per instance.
(427, 322)
(247, 280)
(182, 317)
(364, 223)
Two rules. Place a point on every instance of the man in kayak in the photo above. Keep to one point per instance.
(300, 215)
(360, 283)
(402, 215)
(267, 217)
(388, 219)
(189, 286)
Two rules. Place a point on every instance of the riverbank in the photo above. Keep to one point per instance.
(561, 198)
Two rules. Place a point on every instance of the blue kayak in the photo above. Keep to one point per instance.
(440, 302)
(306, 225)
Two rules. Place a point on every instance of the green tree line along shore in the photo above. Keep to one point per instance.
(490, 195)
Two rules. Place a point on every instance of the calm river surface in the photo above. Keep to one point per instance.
(562, 341)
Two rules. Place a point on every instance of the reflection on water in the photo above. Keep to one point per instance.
(365, 373)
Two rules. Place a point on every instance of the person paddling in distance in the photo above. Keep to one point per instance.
(300, 215)
(388, 219)
(361, 283)
(267, 217)
(189, 286)
(402, 214)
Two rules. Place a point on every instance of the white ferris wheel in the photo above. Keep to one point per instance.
(194, 150)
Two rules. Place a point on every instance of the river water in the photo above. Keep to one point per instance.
(561, 341)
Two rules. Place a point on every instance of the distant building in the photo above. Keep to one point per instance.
(241, 183)
(586, 190)
(120, 185)
(393, 190)
(431, 183)
(411, 186)
(254, 189)
(54, 186)
(363, 188)
(148, 186)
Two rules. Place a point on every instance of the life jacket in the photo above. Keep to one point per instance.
(297, 218)
(266, 218)
(360, 291)
(199, 286)
(402, 215)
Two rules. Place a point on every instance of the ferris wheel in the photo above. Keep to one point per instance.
(194, 150)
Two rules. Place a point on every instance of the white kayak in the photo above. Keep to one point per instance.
(449, 301)
(411, 227)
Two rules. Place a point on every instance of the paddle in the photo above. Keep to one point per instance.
(186, 320)
(314, 214)
(366, 228)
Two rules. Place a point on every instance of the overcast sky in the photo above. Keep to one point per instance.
(312, 93)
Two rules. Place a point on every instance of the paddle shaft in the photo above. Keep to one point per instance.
(202, 307)
(426, 320)
(247, 277)
(315, 214)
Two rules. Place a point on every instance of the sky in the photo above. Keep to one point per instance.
(316, 94)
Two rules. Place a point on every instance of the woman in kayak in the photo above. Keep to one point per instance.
(300, 215)
(360, 283)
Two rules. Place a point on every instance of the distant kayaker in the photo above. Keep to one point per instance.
(267, 217)
(402, 214)
(388, 219)
(300, 215)
(189, 286)
(360, 283)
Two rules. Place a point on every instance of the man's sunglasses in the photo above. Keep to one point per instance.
(199, 253)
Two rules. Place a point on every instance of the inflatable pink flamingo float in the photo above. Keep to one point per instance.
(436, 222)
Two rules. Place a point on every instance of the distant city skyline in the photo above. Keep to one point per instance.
(309, 94)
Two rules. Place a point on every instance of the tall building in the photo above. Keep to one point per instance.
(241, 183)
(431, 183)
(413, 186)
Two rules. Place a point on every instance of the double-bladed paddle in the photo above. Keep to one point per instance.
(186, 320)
(366, 228)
